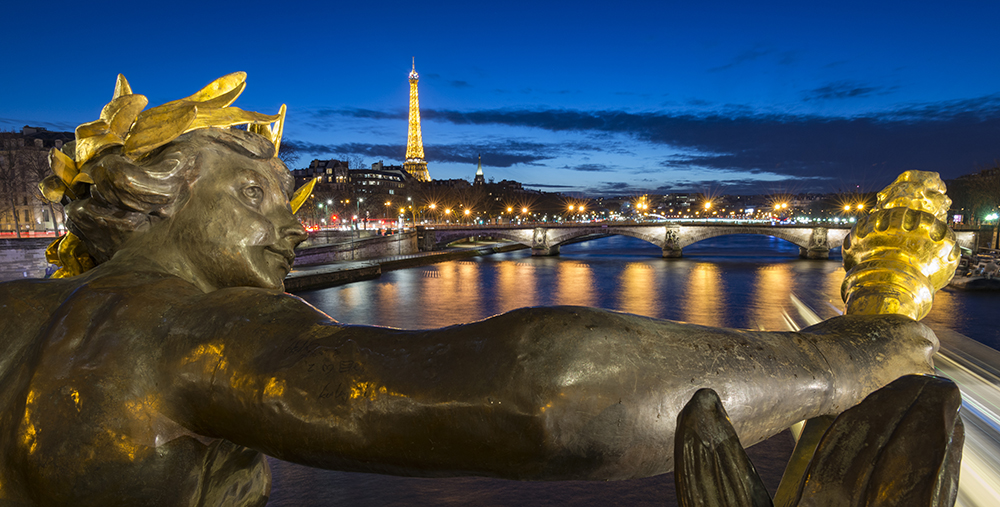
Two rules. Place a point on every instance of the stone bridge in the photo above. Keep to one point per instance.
(814, 242)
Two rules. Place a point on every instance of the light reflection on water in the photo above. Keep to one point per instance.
(735, 281)
(719, 282)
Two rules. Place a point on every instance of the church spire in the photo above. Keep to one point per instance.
(480, 179)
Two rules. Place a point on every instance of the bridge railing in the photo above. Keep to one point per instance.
(631, 223)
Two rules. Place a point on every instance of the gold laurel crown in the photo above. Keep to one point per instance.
(123, 123)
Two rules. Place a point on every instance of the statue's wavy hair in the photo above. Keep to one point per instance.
(128, 197)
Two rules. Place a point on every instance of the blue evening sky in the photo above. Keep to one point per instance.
(594, 97)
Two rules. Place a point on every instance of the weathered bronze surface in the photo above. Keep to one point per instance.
(157, 377)
(901, 446)
(713, 470)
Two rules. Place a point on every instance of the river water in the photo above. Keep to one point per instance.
(739, 281)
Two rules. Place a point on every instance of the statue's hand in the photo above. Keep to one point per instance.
(900, 254)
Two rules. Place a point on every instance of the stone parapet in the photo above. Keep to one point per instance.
(23, 258)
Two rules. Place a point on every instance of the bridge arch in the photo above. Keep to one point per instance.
(572, 235)
(813, 242)
(443, 237)
(795, 237)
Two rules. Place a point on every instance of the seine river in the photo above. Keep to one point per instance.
(737, 281)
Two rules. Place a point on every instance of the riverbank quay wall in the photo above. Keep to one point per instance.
(367, 248)
(23, 258)
(319, 277)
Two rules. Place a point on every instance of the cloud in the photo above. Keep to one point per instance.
(547, 185)
(948, 137)
(498, 154)
(588, 168)
(734, 186)
(843, 90)
(460, 84)
(380, 151)
(358, 113)
(746, 56)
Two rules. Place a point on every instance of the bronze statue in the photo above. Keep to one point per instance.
(901, 445)
(160, 376)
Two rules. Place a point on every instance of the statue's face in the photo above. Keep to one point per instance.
(237, 228)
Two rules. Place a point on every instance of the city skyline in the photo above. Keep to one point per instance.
(575, 98)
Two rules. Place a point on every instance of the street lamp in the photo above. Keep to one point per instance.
(358, 209)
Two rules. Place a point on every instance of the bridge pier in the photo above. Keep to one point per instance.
(541, 245)
(672, 242)
(819, 245)
(807, 253)
(672, 253)
(548, 251)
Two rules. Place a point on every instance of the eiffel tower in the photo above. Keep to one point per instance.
(415, 163)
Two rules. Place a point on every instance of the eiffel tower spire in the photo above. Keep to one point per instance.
(415, 163)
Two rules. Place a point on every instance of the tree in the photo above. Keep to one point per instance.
(288, 152)
(979, 193)
(36, 168)
(356, 162)
(11, 174)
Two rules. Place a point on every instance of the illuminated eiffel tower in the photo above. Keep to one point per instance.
(415, 163)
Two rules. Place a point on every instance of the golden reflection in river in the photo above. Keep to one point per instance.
(470, 288)
(636, 286)
(574, 284)
(352, 297)
(516, 285)
(769, 300)
(454, 293)
(834, 303)
(704, 295)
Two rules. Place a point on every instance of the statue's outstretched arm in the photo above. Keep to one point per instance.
(541, 393)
